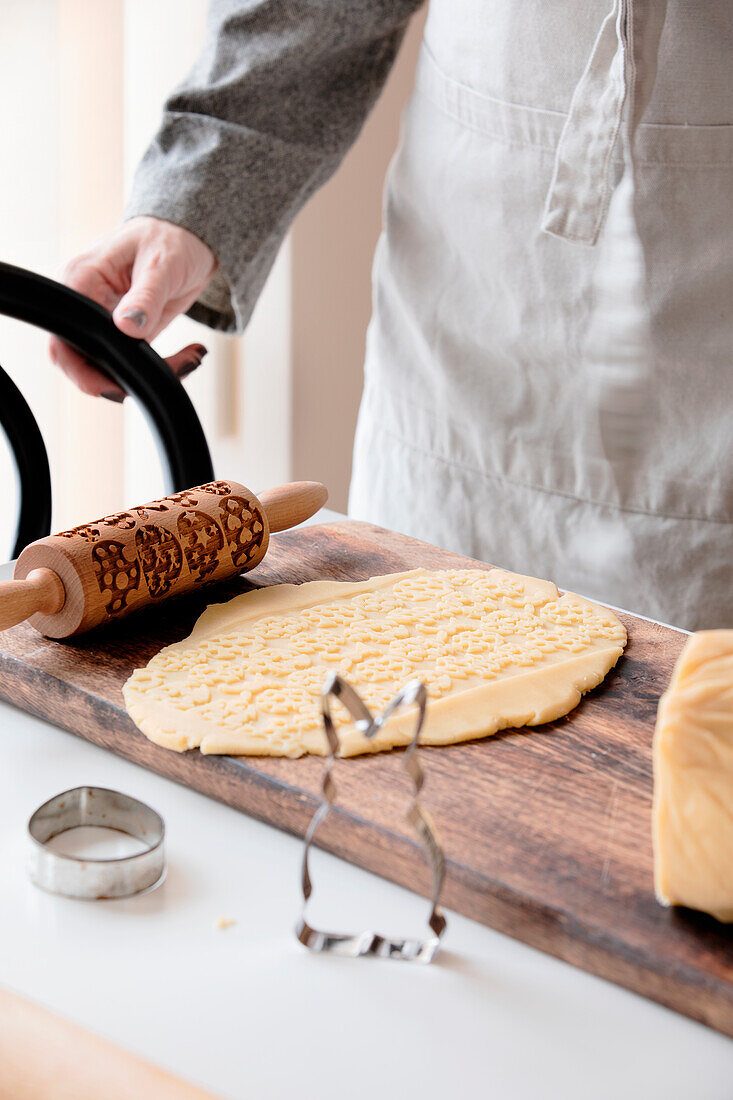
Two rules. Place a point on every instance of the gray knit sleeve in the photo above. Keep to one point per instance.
(278, 94)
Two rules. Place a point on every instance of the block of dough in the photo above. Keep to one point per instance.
(495, 649)
(693, 779)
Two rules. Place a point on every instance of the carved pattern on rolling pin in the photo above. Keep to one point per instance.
(124, 521)
(160, 556)
(244, 530)
(189, 498)
(87, 532)
(157, 555)
(166, 503)
(116, 575)
(202, 540)
(217, 488)
(145, 510)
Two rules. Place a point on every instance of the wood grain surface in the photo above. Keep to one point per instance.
(44, 1056)
(546, 832)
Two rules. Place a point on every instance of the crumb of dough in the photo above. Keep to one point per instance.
(224, 922)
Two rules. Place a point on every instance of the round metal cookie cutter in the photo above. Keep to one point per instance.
(77, 877)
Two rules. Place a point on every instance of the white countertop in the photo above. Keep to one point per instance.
(248, 1013)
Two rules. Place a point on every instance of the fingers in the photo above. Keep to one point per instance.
(146, 272)
(82, 373)
(169, 268)
(88, 378)
(140, 311)
(185, 361)
(92, 381)
(103, 283)
(177, 306)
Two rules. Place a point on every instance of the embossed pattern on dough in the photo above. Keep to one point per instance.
(495, 649)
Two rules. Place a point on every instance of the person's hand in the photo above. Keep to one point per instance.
(145, 273)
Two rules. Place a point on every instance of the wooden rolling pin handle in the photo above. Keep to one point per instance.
(44, 1055)
(42, 590)
(288, 505)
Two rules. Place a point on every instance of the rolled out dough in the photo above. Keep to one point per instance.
(495, 650)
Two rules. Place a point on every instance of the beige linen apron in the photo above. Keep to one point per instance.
(548, 373)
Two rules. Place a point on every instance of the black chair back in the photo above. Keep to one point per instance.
(132, 364)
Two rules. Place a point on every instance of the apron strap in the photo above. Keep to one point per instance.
(580, 191)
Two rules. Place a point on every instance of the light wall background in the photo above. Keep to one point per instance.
(82, 82)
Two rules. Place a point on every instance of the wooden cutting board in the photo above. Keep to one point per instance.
(547, 833)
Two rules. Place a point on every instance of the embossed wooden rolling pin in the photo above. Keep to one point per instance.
(71, 582)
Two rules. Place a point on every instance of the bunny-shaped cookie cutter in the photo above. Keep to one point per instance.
(371, 943)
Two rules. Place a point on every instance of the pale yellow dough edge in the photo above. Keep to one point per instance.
(523, 699)
(692, 821)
